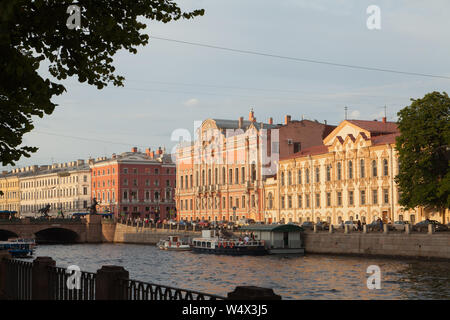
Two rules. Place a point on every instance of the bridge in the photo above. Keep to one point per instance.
(92, 229)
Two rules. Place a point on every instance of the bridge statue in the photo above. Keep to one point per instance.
(44, 211)
(93, 207)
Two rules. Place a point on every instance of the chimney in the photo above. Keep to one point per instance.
(384, 119)
(134, 149)
(270, 120)
(241, 121)
(251, 116)
(287, 119)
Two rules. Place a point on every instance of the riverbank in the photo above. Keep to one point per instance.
(395, 244)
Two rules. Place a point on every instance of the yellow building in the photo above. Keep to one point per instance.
(9, 185)
(349, 177)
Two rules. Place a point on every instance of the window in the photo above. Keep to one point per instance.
(253, 171)
(223, 203)
(125, 170)
(282, 202)
(282, 178)
(253, 201)
(374, 168)
(386, 196)
(317, 174)
(307, 175)
(328, 172)
(317, 200)
(385, 168)
(230, 176)
(135, 171)
(156, 171)
(290, 202)
(243, 201)
(307, 200)
(289, 178)
(242, 175)
(209, 177)
(236, 176)
(328, 199)
(339, 198)
(270, 198)
(350, 169)
(125, 182)
(300, 205)
(299, 176)
(185, 182)
(350, 198)
(125, 195)
(339, 171)
(237, 202)
(374, 196)
(363, 197)
(362, 166)
(223, 175)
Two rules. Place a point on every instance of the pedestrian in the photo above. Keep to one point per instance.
(359, 226)
(381, 224)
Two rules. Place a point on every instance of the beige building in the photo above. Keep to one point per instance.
(9, 185)
(349, 177)
(64, 186)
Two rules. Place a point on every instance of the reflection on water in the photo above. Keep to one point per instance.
(293, 277)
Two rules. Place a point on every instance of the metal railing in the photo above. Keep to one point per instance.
(138, 290)
(59, 290)
(19, 279)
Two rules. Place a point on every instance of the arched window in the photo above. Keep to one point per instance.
(299, 176)
(362, 166)
(374, 168)
(282, 178)
(350, 169)
(385, 167)
(253, 171)
(270, 200)
(339, 171)
(289, 178)
(328, 172)
(307, 175)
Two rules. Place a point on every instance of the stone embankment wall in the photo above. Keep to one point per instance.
(395, 244)
(130, 234)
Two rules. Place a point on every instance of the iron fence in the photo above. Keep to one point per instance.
(59, 290)
(19, 279)
(138, 290)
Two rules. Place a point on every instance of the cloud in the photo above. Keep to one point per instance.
(191, 102)
(355, 114)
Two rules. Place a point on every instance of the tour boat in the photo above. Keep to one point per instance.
(173, 243)
(18, 247)
(210, 243)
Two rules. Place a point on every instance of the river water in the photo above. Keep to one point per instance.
(292, 277)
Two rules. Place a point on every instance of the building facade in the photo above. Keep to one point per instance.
(9, 185)
(65, 187)
(220, 175)
(135, 184)
(349, 177)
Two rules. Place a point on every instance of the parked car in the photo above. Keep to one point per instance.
(400, 225)
(373, 226)
(323, 225)
(423, 226)
(352, 225)
(245, 222)
(307, 225)
(204, 224)
(172, 222)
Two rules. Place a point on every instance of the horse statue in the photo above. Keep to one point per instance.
(44, 211)
(93, 207)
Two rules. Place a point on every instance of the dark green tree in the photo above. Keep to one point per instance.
(423, 147)
(35, 31)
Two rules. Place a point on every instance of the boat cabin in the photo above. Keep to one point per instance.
(285, 238)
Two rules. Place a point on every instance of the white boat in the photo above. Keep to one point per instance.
(173, 243)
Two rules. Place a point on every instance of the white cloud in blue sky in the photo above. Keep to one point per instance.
(167, 81)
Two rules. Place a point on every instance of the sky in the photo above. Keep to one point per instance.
(171, 85)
